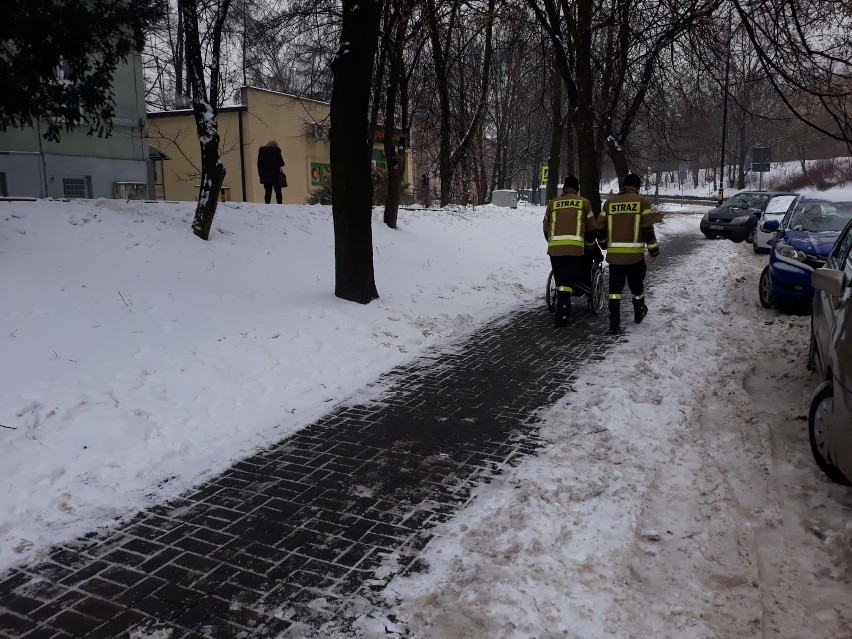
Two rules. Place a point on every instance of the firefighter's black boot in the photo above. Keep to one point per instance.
(614, 317)
(563, 308)
(639, 310)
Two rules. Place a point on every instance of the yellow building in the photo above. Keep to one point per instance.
(299, 126)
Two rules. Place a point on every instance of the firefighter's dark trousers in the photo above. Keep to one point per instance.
(567, 269)
(634, 276)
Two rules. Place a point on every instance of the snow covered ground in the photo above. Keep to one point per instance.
(139, 359)
(677, 497)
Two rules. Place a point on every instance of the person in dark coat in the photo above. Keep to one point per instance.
(269, 164)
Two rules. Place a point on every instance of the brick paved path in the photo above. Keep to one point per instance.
(281, 542)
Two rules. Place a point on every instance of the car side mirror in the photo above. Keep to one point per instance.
(829, 280)
(770, 226)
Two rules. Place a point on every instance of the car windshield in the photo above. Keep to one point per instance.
(745, 201)
(780, 204)
(821, 216)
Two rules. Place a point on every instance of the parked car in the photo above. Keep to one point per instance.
(736, 218)
(802, 242)
(830, 355)
(775, 210)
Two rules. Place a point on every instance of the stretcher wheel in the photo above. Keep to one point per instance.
(550, 293)
(597, 298)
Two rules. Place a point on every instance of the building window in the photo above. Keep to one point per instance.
(77, 187)
(4, 190)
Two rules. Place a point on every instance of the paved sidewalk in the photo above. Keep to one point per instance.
(280, 543)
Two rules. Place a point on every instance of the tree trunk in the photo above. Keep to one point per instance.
(204, 110)
(378, 81)
(569, 149)
(180, 97)
(618, 159)
(555, 135)
(741, 146)
(396, 79)
(394, 172)
(212, 170)
(497, 172)
(482, 183)
(352, 194)
(586, 151)
(445, 170)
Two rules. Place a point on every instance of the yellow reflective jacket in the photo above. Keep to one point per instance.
(626, 226)
(569, 224)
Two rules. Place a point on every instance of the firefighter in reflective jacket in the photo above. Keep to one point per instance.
(569, 227)
(625, 228)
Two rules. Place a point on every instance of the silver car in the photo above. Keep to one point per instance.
(830, 356)
(775, 210)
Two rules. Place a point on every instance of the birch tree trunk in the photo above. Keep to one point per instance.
(204, 107)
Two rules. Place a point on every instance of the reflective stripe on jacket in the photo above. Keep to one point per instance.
(626, 225)
(569, 224)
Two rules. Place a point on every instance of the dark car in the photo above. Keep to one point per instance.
(802, 242)
(736, 218)
(830, 356)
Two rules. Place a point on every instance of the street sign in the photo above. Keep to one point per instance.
(682, 168)
(544, 173)
(760, 159)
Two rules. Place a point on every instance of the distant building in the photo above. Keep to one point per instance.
(300, 127)
(82, 165)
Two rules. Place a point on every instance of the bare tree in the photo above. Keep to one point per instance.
(608, 55)
(805, 50)
(167, 63)
(518, 124)
(449, 45)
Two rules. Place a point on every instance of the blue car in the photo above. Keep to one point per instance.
(803, 240)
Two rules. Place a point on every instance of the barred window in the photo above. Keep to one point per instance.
(77, 187)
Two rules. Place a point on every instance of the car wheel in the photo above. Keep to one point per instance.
(710, 236)
(819, 432)
(764, 288)
(750, 237)
(550, 293)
